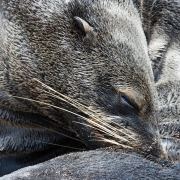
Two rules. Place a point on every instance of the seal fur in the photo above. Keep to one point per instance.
(99, 84)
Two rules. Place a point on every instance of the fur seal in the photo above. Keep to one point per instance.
(74, 68)
(164, 45)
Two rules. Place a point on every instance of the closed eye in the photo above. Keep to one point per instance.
(126, 101)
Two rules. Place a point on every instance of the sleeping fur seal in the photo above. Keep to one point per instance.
(75, 68)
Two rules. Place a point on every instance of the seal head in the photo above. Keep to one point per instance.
(75, 68)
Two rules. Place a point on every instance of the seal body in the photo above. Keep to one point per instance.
(163, 43)
(75, 68)
(99, 164)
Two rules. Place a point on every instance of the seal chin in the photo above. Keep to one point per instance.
(137, 136)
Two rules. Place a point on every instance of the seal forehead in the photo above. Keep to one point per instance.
(123, 29)
(79, 69)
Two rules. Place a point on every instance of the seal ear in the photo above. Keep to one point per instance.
(86, 28)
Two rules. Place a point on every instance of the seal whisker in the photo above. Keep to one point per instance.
(50, 88)
(119, 126)
(58, 125)
(118, 130)
(80, 107)
(129, 131)
(110, 132)
(85, 111)
(62, 146)
(113, 142)
(105, 140)
(98, 125)
(56, 132)
(97, 129)
(50, 105)
(64, 96)
(89, 126)
(87, 119)
(106, 130)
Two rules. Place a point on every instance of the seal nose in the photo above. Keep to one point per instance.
(158, 150)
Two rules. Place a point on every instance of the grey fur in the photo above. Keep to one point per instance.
(40, 39)
(164, 45)
(101, 165)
